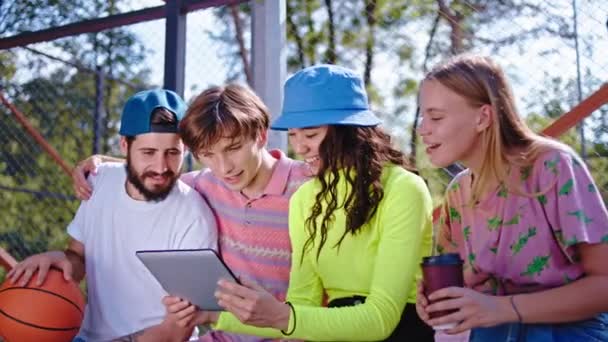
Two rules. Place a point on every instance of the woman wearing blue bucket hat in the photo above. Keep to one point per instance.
(358, 230)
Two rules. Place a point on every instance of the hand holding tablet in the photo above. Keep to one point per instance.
(191, 274)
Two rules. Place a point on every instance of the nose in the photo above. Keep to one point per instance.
(160, 164)
(299, 147)
(225, 165)
(422, 128)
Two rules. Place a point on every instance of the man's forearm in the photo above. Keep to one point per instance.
(158, 333)
(78, 266)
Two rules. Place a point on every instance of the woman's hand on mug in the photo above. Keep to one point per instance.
(474, 309)
(421, 304)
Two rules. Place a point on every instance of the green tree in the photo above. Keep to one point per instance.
(58, 99)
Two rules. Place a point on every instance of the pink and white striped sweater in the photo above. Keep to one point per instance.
(253, 233)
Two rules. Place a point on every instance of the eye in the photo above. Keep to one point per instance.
(148, 153)
(310, 136)
(234, 148)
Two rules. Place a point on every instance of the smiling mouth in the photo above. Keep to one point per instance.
(311, 160)
(432, 147)
(234, 177)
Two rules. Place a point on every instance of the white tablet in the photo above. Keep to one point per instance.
(188, 273)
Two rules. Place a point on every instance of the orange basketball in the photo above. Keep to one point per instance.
(51, 312)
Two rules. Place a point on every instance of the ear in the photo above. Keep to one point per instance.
(263, 138)
(484, 117)
(124, 147)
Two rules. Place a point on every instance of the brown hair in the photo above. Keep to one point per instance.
(232, 110)
(358, 154)
(508, 140)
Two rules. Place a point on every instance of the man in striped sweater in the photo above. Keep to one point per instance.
(247, 186)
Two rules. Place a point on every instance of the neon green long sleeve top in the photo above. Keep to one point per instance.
(380, 262)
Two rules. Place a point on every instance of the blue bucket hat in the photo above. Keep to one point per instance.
(138, 110)
(325, 95)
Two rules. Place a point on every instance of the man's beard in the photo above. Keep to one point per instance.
(137, 180)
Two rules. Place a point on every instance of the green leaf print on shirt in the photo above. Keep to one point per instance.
(524, 173)
(513, 221)
(502, 191)
(566, 188)
(551, 165)
(466, 231)
(494, 250)
(523, 240)
(494, 223)
(580, 215)
(542, 199)
(538, 264)
(605, 239)
(591, 188)
(493, 283)
(455, 215)
(471, 258)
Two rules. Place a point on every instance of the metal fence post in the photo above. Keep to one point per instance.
(98, 115)
(269, 59)
(175, 47)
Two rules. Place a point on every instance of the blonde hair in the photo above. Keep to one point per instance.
(508, 140)
(233, 110)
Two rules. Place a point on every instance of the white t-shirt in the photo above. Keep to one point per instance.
(123, 296)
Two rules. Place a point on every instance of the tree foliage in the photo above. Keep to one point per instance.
(59, 100)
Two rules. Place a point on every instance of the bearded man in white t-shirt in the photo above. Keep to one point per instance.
(140, 206)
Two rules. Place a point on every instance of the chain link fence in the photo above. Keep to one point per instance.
(71, 90)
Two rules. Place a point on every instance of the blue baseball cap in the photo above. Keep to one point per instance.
(138, 110)
(324, 94)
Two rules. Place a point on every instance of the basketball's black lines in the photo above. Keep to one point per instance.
(45, 291)
(35, 325)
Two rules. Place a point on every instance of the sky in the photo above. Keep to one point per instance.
(527, 67)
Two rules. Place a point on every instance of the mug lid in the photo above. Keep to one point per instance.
(443, 259)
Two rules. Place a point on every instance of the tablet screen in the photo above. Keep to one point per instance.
(191, 274)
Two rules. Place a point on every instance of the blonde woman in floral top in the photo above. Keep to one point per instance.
(525, 216)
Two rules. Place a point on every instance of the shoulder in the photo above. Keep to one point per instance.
(404, 185)
(306, 190)
(185, 193)
(557, 153)
(108, 172)
(394, 175)
(188, 201)
(111, 168)
(199, 180)
(299, 174)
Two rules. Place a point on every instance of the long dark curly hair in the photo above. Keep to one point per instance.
(358, 154)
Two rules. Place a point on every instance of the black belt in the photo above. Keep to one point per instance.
(346, 301)
(410, 327)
